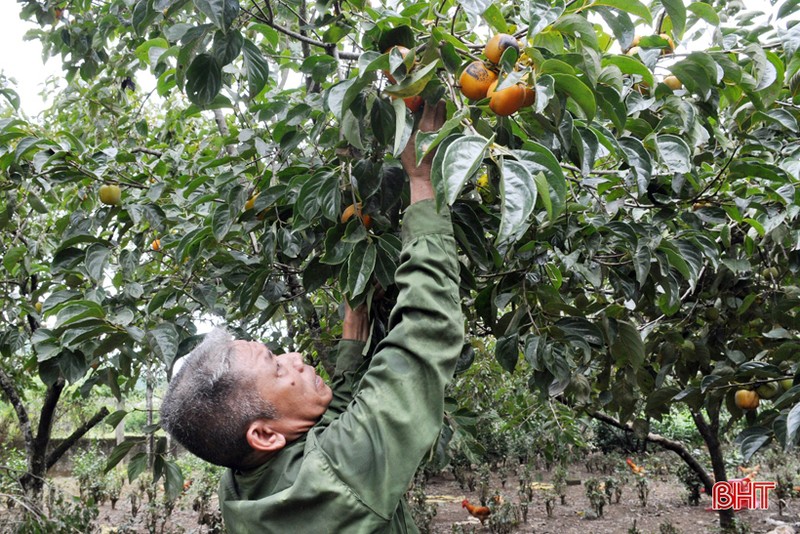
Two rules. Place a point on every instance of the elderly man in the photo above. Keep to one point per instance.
(305, 457)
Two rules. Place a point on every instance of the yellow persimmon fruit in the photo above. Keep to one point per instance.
(476, 79)
(497, 45)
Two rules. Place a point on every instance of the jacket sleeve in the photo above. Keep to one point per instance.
(376, 445)
(349, 359)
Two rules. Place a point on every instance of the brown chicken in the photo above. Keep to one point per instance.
(636, 469)
(750, 472)
(481, 512)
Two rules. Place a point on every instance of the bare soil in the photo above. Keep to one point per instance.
(666, 505)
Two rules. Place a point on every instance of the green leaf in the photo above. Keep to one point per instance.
(578, 91)
(203, 80)
(705, 12)
(78, 310)
(674, 152)
(579, 27)
(96, 256)
(639, 160)
(227, 46)
(677, 14)
(121, 450)
(163, 341)
(620, 23)
(518, 195)
(360, 267)
(173, 479)
(751, 440)
(626, 345)
(541, 14)
(143, 15)
(507, 352)
(494, 17)
(307, 202)
(12, 257)
(115, 418)
(676, 260)
(143, 50)
(192, 41)
(792, 424)
(698, 73)
(629, 65)
(221, 222)
(136, 466)
(414, 84)
(425, 142)
(404, 124)
(475, 8)
(329, 197)
(221, 12)
(538, 158)
(461, 159)
(634, 7)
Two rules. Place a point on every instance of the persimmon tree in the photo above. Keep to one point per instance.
(632, 237)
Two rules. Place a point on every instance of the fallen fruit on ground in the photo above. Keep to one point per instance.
(110, 194)
(746, 399)
(476, 79)
(497, 45)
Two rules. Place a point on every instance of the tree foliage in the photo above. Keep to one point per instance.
(639, 247)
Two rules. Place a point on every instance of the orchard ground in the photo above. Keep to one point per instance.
(666, 505)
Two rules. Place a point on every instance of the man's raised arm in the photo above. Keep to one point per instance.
(378, 443)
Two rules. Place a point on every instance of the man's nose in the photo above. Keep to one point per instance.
(297, 361)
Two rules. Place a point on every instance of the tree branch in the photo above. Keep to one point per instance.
(219, 117)
(22, 414)
(48, 414)
(145, 150)
(674, 446)
(347, 56)
(79, 432)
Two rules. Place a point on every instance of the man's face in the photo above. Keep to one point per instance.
(297, 392)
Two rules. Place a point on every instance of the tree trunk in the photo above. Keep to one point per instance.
(674, 446)
(33, 481)
(119, 432)
(709, 433)
(149, 409)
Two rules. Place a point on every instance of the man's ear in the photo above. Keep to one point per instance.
(262, 437)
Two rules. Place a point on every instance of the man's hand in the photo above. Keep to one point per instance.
(356, 323)
(433, 117)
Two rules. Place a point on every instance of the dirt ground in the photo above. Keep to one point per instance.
(666, 505)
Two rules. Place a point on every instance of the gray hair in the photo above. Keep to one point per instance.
(209, 405)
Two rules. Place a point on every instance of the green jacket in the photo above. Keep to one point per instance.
(350, 471)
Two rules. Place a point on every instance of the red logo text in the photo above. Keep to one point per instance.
(739, 493)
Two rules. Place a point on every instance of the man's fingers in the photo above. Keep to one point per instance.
(441, 114)
(433, 116)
